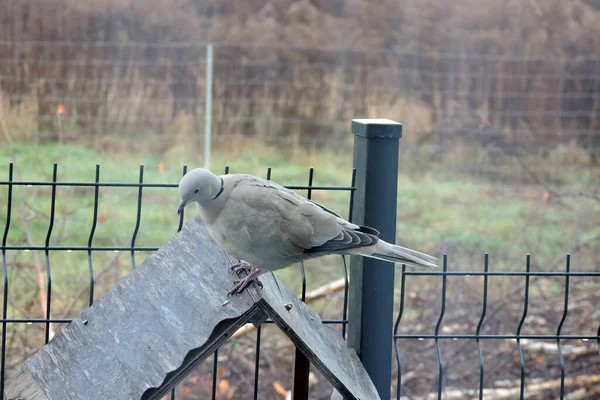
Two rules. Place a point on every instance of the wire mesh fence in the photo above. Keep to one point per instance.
(529, 354)
(66, 277)
(459, 333)
(491, 107)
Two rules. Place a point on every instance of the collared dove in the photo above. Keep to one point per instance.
(268, 227)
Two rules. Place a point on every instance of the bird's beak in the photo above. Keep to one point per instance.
(181, 207)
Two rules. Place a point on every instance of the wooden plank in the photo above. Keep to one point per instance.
(150, 329)
(322, 344)
(23, 386)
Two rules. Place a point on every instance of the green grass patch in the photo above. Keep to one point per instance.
(436, 213)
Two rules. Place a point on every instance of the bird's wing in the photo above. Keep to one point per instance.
(304, 224)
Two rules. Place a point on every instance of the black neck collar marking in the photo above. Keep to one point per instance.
(220, 190)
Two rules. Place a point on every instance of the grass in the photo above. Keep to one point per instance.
(117, 209)
(438, 212)
(435, 212)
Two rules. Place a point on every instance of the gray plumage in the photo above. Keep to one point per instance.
(272, 227)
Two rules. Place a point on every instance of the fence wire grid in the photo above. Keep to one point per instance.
(506, 104)
(518, 336)
(408, 357)
(133, 248)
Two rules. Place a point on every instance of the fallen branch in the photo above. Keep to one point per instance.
(318, 293)
(551, 348)
(533, 390)
(287, 394)
(585, 393)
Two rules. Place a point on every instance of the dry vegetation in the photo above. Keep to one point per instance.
(502, 74)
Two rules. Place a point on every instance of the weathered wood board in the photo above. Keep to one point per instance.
(321, 344)
(145, 325)
(155, 325)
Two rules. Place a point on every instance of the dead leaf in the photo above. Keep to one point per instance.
(280, 390)
(546, 196)
(223, 387)
(185, 390)
(539, 358)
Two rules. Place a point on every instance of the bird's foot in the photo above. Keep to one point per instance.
(241, 266)
(242, 284)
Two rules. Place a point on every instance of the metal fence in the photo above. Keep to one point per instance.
(133, 248)
(552, 388)
(508, 105)
(467, 314)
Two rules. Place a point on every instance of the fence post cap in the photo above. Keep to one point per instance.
(381, 128)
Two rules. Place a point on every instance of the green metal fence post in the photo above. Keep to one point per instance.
(371, 298)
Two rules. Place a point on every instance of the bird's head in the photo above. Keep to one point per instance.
(199, 185)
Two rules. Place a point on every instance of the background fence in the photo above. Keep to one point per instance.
(472, 111)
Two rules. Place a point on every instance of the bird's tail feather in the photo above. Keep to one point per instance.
(397, 254)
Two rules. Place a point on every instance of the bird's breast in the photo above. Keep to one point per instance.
(252, 243)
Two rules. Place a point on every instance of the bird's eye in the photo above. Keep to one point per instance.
(196, 191)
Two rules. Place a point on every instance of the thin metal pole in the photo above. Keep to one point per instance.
(5, 277)
(481, 319)
(301, 388)
(208, 105)
(370, 319)
(525, 307)
(437, 331)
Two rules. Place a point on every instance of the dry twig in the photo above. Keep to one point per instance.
(25, 227)
(533, 390)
